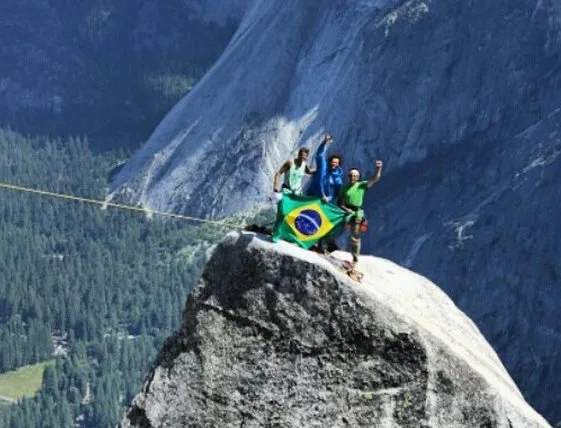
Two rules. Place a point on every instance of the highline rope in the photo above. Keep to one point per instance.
(120, 206)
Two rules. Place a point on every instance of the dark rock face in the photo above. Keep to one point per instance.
(51, 49)
(481, 220)
(105, 69)
(273, 336)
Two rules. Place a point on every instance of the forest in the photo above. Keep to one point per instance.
(92, 291)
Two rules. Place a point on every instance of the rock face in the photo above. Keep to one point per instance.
(389, 78)
(47, 43)
(219, 11)
(460, 99)
(482, 222)
(119, 66)
(275, 336)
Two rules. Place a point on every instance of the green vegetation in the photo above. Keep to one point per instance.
(23, 382)
(110, 285)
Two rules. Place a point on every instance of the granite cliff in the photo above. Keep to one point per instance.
(460, 99)
(273, 335)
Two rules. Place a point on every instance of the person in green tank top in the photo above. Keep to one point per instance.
(293, 170)
(351, 198)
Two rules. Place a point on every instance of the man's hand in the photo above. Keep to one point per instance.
(324, 199)
(376, 177)
(328, 138)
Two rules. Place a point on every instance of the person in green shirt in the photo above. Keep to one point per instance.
(351, 198)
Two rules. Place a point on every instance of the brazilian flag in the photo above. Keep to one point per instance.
(303, 220)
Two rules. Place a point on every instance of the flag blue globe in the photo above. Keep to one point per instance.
(308, 222)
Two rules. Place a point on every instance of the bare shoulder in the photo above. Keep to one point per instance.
(286, 165)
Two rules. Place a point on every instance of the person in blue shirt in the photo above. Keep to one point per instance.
(328, 178)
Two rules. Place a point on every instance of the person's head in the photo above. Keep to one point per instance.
(335, 161)
(303, 154)
(354, 175)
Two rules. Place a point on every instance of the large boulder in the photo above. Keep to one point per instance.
(277, 336)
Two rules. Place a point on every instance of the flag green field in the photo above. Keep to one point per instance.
(304, 220)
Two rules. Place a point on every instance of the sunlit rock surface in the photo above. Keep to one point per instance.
(275, 336)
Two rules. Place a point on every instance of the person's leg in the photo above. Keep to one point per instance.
(322, 243)
(331, 244)
(355, 238)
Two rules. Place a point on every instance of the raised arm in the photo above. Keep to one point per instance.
(321, 163)
(284, 167)
(310, 171)
(377, 175)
